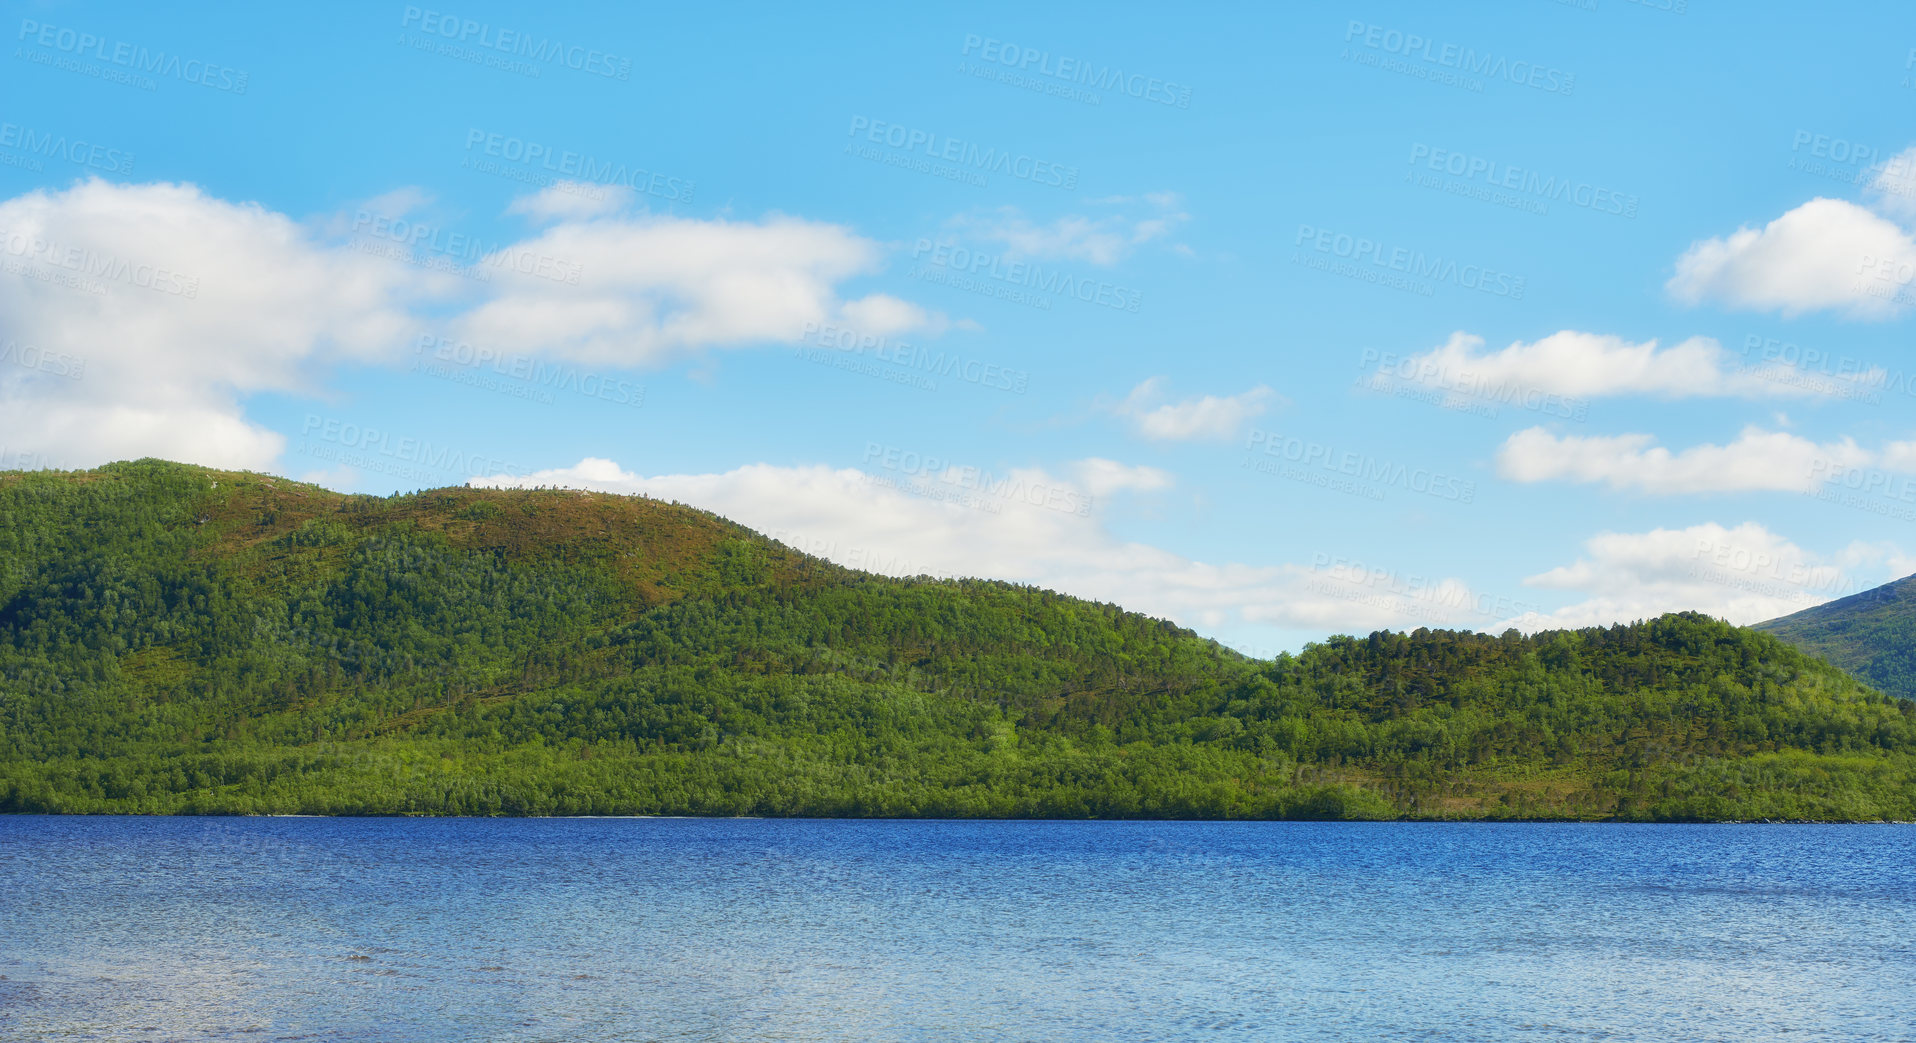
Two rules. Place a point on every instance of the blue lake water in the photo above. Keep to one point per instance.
(675, 929)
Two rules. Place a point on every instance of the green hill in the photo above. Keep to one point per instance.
(175, 639)
(1872, 635)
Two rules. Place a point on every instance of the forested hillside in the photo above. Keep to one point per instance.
(175, 639)
(1872, 635)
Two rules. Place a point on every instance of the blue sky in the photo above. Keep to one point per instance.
(1278, 322)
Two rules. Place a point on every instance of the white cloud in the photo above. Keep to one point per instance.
(1745, 574)
(1573, 364)
(1212, 417)
(869, 522)
(1826, 254)
(341, 477)
(1101, 477)
(1757, 461)
(1893, 188)
(654, 288)
(176, 305)
(1899, 457)
(882, 315)
(397, 203)
(1103, 239)
(572, 200)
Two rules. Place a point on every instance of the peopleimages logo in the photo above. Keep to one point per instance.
(1440, 593)
(53, 363)
(912, 359)
(966, 155)
(1525, 183)
(427, 455)
(1311, 455)
(1835, 149)
(58, 146)
(1360, 251)
(458, 356)
(90, 264)
(1736, 565)
(131, 56)
(483, 35)
(1450, 56)
(458, 247)
(1842, 376)
(1426, 372)
(1077, 71)
(1026, 274)
(937, 478)
(576, 166)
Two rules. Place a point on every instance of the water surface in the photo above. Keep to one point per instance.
(677, 929)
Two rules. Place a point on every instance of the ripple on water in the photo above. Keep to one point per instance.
(684, 929)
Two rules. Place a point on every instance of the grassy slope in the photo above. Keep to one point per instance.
(174, 639)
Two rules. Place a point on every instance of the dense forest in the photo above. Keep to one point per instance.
(181, 640)
(1872, 635)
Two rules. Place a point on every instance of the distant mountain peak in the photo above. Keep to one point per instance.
(1872, 635)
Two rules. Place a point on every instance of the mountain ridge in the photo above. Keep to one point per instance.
(1871, 634)
(176, 639)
